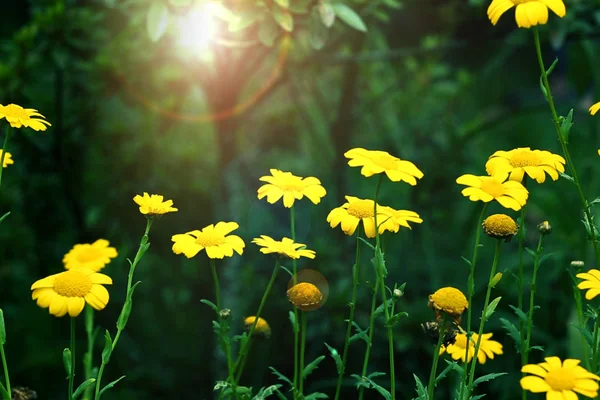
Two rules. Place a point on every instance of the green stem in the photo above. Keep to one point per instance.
(436, 356)
(88, 358)
(484, 316)
(4, 147)
(213, 269)
(124, 316)
(355, 278)
(246, 346)
(72, 372)
(5, 367)
(596, 343)
(370, 337)
(582, 324)
(520, 289)
(470, 292)
(563, 144)
(302, 347)
(294, 281)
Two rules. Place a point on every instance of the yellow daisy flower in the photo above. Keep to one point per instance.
(393, 219)
(262, 326)
(560, 379)
(528, 12)
(449, 300)
(376, 162)
(305, 296)
(355, 210)
(509, 194)
(487, 348)
(594, 108)
(286, 247)
(518, 162)
(591, 281)
(67, 292)
(18, 117)
(94, 256)
(500, 226)
(215, 239)
(154, 204)
(290, 187)
(7, 159)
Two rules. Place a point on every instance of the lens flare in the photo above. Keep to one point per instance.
(196, 30)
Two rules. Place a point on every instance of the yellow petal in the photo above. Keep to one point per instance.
(534, 369)
(75, 306)
(534, 384)
(557, 7)
(58, 306)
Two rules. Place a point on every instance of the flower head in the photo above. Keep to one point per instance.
(94, 256)
(286, 247)
(290, 187)
(591, 282)
(487, 348)
(215, 239)
(67, 292)
(518, 162)
(528, 13)
(500, 226)
(450, 301)
(544, 228)
(560, 379)
(262, 327)
(594, 108)
(305, 296)
(376, 162)
(153, 204)
(509, 194)
(18, 117)
(7, 159)
(392, 219)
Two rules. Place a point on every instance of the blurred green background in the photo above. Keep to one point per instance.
(431, 81)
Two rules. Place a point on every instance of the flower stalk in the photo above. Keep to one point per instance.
(72, 367)
(294, 281)
(4, 147)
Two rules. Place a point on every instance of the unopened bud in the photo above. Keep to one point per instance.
(398, 293)
(225, 313)
(496, 279)
(577, 264)
(545, 228)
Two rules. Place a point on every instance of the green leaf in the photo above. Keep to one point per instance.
(107, 351)
(126, 311)
(512, 331)
(349, 16)
(565, 125)
(360, 382)
(283, 3)
(421, 391)
(300, 6)
(394, 319)
(318, 32)
(538, 348)
(82, 388)
(312, 366)
(491, 308)
(522, 316)
(243, 20)
(220, 11)
(2, 328)
(381, 390)
(4, 393)
(488, 377)
(293, 321)
(67, 361)
(544, 258)
(110, 386)
(567, 177)
(452, 365)
(466, 260)
(157, 21)
(268, 32)
(4, 216)
(210, 304)
(326, 14)
(280, 376)
(316, 395)
(361, 334)
(585, 333)
(283, 18)
(548, 72)
(336, 357)
(263, 393)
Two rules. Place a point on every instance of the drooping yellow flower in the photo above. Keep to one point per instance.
(487, 348)
(355, 210)
(500, 226)
(528, 12)
(286, 247)
(594, 108)
(591, 282)
(67, 292)
(392, 219)
(305, 296)
(560, 379)
(215, 239)
(262, 327)
(153, 204)
(509, 194)
(290, 187)
(518, 162)
(94, 256)
(7, 159)
(376, 162)
(449, 300)
(18, 117)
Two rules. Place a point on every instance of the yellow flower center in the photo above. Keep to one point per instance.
(492, 187)
(362, 209)
(305, 296)
(15, 111)
(210, 239)
(72, 284)
(385, 161)
(561, 379)
(449, 300)
(89, 254)
(521, 159)
(500, 226)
